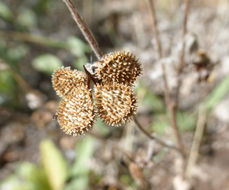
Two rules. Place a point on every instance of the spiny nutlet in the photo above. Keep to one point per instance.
(121, 67)
(116, 103)
(65, 79)
(76, 112)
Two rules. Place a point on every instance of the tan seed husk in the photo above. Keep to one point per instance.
(121, 67)
(65, 79)
(76, 112)
(116, 103)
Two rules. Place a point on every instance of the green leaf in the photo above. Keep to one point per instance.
(47, 63)
(77, 46)
(3, 44)
(42, 6)
(34, 175)
(7, 82)
(80, 169)
(5, 12)
(101, 128)
(55, 165)
(18, 52)
(84, 151)
(160, 124)
(186, 121)
(26, 18)
(8, 88)
(126, 179)
(217, 94)
(27, 177)
(15, 183)
(149, 99)
(80, 182)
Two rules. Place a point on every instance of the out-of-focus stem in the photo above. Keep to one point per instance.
(84, 28)
(168, 100)
(155, 28)
(182, 55)
(159, 141)
(194, 152)
(32, 38)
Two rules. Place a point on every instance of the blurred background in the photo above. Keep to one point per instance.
(39, 36)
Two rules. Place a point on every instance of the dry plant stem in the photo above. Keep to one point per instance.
(155, 28)
(193, 156)
(84, 28)
(182, 56)
(32, 38)
(168, 101)
(159, 141)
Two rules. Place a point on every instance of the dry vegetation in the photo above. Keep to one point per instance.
(179, 136)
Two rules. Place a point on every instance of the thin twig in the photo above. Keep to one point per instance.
(182, 56)
(193, 156)
(32, 38)
(155, 28)
(159, 141)
(84, 29)
(168, 101)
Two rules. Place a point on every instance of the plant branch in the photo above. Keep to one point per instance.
(193, 156)
(155, 28)
(182, 55)
(168, 101)
(159, 141)
(32, 38)
(84, 29)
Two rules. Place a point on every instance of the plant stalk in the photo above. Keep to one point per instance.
(169, 104)
(159, 141)
(84, 29)
(182, 55)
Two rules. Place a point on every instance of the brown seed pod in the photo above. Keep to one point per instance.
(76, 112)
(65, 79)
(121, 67)
(116, 103)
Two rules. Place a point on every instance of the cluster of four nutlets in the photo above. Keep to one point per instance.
(115, 103)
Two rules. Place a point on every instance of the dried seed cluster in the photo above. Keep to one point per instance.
(120, 67)
(76, 111)
(114, 76)
(116, 73)
(65, 79)
(115, 103)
